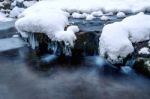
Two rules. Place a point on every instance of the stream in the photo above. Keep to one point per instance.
(24, 75)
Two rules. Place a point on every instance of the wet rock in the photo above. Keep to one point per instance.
(142, 65)
(85, 45)
(5, 6)
(142, 60)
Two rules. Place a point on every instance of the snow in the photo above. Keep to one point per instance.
(97, 13)
(41, 18)
(67, 36)
(149, 43)
(90, 17)
(29, 3)
(144, 50)
(3, 18)
(78, 15)
(16, 11)
(42, 22)
(104, 18)
(51, 17)
(84, 15)
(121, 14)
(16, 35)
(100, 5)
(117, 38)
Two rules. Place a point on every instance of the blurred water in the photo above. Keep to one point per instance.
(21, 77)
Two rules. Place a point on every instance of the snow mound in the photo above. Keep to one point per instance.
(100, 5)
(78, 15)
(144, 50)
(90, 17)
(41, 18)
(121, 15)
(104, 18)
(16, 11)
(117, 38)
(67, 36)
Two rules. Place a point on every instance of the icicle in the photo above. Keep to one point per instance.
(32, 41)
(53, 46)
(67, 50)
(59, 48)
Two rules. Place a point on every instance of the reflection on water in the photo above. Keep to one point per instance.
(21, 77)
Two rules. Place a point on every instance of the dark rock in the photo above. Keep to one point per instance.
(141, 65)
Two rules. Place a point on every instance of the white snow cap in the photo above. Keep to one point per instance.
(41, 18)
(104, 18)
(78, 15)
(144, 50)
(121, 14)
(117, 38)
(67, 36)
(100, 5)
(16, 11)
(90, 17)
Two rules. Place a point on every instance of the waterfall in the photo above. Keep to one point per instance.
(59, 48)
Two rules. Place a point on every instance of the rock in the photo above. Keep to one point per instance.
(142, 65)
(142, 60)
(86, 44)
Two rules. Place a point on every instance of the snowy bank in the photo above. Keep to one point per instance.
(102, 5)
(117, 38)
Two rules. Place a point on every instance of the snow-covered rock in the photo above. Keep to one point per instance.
(104, 18)
(121, 14)
(144, 50)
(96, 6)
(78, 15)
(117, 38)
(16, 11)
(90, 17)
(41, 18)
(97, 13)
(67, 36)
(105, 5)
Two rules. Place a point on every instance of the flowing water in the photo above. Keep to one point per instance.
(24, 75)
